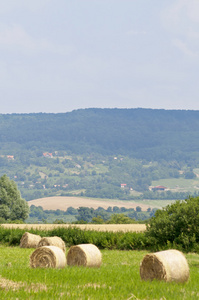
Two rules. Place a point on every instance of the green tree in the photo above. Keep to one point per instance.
(4, 211)
(189, 175)
(177, 223)
(72, 211)
(12, 206)
(138, 208)
(116, 209)
(97, 220)
(120, 219)
(85, 214)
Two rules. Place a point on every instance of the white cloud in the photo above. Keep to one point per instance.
(181, 19)
(182, 46)
(193, 10)
(16, 38)
(180, 14)
(192, 34)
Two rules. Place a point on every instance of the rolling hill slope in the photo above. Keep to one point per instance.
(143, 133)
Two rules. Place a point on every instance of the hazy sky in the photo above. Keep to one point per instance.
(57, 56)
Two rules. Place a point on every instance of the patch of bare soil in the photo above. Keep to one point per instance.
(63, 203)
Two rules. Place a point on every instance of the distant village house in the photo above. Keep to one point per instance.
(10, 157)
(47, 154)
(159, 188)
(123, 185)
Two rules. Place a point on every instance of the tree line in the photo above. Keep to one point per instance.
(111, 215)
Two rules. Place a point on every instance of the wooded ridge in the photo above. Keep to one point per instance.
(142, 133)
(103, 153)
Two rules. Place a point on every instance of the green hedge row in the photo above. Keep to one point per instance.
(75, 236)
(103, 240)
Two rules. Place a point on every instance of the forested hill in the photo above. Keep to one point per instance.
(143, 133)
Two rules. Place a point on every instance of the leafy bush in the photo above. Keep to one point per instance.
(120, 219)
(177, 225)
(75, 236)
(12, 206)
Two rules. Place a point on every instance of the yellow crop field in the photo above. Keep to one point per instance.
(96, 227)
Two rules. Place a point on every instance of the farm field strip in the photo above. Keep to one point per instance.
(96, 227)
(179, 184)
(63, 203)
(156, 203)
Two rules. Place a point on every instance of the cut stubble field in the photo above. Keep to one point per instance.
(96, 227)
(63, 203)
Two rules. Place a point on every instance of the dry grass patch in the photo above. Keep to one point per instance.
(7, 284)
(94, 286)
(96, 227)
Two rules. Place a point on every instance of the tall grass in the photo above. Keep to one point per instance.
(117, 278)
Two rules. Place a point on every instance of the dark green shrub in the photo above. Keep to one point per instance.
(176, 224)
(75, 236)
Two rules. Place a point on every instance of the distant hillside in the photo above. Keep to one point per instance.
(142, 133)
(102, 153)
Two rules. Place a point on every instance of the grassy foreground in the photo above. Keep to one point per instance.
(117, 278)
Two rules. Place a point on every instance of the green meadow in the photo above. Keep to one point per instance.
(179, 184)
(117, 278)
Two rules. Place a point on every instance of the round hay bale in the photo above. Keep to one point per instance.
(168, 265)
(29, 240)
(48, 257)
(87, 255)
(52, 241)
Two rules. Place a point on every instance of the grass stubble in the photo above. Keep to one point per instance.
(117, 278)
(95, 227)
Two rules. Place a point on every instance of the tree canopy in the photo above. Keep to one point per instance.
(176, 224)
(143, 133)
(12, 206)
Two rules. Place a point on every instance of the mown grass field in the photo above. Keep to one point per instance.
(179, 184)
(156, 203)
(117, 278)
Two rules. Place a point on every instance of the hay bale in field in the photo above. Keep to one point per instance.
(87, 255)
(52, 241)
(29, 240)
(48, 257)
(168, 265)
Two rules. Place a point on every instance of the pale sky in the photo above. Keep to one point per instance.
(57, 56)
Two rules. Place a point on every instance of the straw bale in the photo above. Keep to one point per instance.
(29, 240)
(52, 241)
(48, 257)
(168, 265)
(87, 255)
